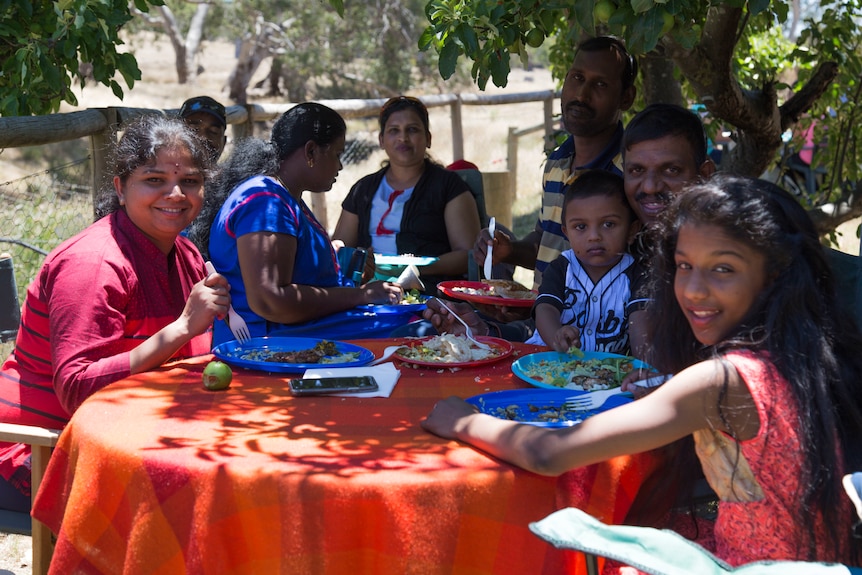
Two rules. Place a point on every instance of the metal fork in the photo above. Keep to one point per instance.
(592, 400)
(234, 321)
(469, 332)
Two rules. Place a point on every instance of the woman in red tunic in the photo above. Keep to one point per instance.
(123, 296)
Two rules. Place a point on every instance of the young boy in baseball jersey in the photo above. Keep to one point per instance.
(584, 295)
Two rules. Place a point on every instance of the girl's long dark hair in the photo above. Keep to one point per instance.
(813, 344)
(306, 122)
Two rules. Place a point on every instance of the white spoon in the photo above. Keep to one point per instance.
(489, 256)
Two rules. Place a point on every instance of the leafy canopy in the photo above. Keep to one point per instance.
(42, 44)
(742, 52)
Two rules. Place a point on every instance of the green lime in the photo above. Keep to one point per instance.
(217, 376)
(667, 22)
(603, 11)
(535, 37)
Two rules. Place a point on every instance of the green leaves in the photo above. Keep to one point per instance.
(448, 59)
(44, 43)
(339, 6)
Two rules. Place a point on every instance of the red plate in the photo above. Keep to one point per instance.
(503, 347)
(449, 289)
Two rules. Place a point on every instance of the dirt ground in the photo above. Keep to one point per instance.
(16, 555)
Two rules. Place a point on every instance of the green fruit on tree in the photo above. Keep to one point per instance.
(535, 38)
(217, 376)
(603, 10)
(667, 22)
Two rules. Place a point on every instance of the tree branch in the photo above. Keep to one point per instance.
(709, 69)
(805, 97)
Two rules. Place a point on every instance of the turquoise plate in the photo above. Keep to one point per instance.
(554, 361)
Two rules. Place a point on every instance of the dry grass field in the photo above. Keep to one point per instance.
(485, 127)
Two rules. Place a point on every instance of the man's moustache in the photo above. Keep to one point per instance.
(663, 197)
(582, 106)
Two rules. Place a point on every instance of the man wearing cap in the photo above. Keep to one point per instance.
(208, 119)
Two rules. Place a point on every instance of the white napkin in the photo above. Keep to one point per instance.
(385, 374)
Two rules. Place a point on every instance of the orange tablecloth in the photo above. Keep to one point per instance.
(154, 474)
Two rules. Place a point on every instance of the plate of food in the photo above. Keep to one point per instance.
(412, 302)
(450, 350)
(404, 261)
(291, 354)
(492, 292)
(389, 268)
(539, 407)
(583, 371)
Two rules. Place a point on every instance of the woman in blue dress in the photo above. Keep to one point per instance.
(279, 260)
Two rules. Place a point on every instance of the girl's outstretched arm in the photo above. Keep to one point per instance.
(684, 404)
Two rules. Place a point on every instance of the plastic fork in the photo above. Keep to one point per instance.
(469, 332)
(387, 353)
(592, 400)
(234, 321)
(489, 255)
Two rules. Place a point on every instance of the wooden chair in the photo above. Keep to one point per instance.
(658, 551)
(42, 441)
(473, 179)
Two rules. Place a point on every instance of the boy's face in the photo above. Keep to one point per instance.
(599, 229)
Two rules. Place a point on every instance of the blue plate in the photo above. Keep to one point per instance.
(539, 407)
(523, 365)
(251, 354)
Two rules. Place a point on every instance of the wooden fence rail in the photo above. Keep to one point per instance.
(102, 124)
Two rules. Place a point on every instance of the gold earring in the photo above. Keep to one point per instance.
(310, 163)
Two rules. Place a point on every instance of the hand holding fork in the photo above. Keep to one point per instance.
(468, 332)
(234, 321)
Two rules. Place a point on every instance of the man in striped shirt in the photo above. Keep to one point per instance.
(598, 88)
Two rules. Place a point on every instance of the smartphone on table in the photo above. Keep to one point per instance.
(324, 385)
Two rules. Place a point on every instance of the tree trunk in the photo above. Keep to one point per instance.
(185, 51)
(274, 78)
(169, 23)
(659, 84)
(708, 67)
(247, 63)
(294, 84)
(265, 40)
(193, 39)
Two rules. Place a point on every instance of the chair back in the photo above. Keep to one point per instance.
(847, 270)
(10, 311)
(473, 179)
